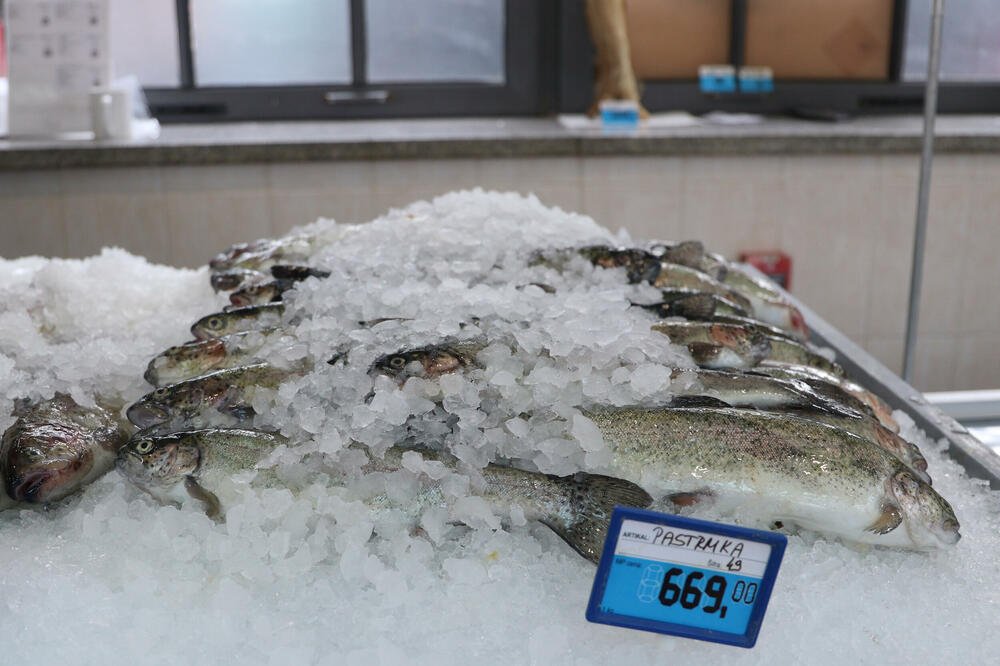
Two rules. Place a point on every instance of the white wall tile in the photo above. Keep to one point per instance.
(32, 225)
(975, 283)
(201, 224)
(978, 363)
(889, 351)
(935, 362)
(123, 207)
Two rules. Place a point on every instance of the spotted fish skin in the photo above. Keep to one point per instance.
(199, 357)
(196, 465)
(779, 468)
(192, 401)
(577, 508)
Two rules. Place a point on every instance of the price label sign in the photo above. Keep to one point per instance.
(685, 577)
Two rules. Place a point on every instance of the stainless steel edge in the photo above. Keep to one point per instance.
(978, 459)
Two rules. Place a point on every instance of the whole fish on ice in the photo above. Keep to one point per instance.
(194, 465)
(779, 469)
(199, 357)
(229, 392)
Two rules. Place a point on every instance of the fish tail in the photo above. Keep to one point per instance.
(592, 497)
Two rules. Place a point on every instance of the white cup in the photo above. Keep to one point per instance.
(111, 113)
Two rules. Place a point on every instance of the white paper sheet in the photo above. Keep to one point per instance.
(58, 51)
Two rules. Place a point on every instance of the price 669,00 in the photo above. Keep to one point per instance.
(689, 594)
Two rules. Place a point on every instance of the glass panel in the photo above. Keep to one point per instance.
(820, 39)
(435, 40)
(144, 41)
(670, 39)
(271, 42)
(970, 41)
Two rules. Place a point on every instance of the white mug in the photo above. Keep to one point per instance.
(111, 113)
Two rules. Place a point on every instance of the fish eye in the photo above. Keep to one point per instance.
(160, 393)
(397, 362)
(144, 446)
(214, 323)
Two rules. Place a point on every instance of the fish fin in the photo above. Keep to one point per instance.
(697, 401)
(592, 497)
(890, 518)
(689, 499)
(213, 507)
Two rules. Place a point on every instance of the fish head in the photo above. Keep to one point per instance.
(185, 360)
(211, 326)
(930, 520)
(688, 253)
(240, 252)
(427, 363)
(152, 408)
(903, 450)
(639, 265)
(158, 464)
(44, 463)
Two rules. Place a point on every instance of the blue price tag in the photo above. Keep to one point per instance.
(717, 79)
(685, 577)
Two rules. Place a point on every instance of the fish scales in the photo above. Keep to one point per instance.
(197, 464)
(782, 467)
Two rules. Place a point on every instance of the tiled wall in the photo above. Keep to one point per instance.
(846, 220)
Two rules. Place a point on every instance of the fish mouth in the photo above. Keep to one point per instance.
(919, 466)
(145, 416)
(42, 486)
(151, 375)
(33, 487)
(131, 465)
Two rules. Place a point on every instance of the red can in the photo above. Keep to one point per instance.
(775, 264)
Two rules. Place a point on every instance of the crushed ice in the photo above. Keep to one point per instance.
(320, 574)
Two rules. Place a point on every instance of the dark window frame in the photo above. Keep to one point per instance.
(799, 97)
(548, 61)
(528, 87)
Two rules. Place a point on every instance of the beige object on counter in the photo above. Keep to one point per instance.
(614, 78)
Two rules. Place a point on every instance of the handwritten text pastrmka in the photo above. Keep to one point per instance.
(704, 543)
